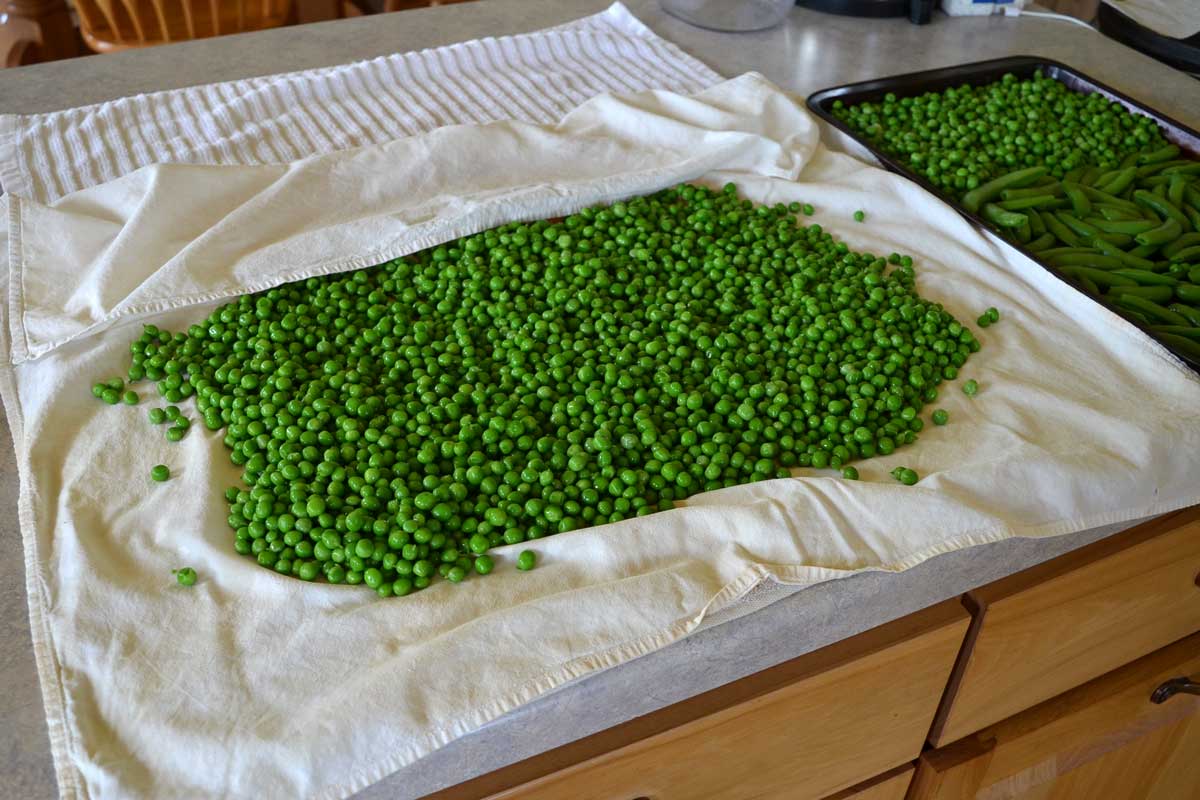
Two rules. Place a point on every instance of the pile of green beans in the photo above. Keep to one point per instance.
(1098, 194)
(396, 423)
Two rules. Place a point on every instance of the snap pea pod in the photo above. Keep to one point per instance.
(1162, 154)
(1094, 260)
(1193, 215)
(1055, 189)
(1097, 276)
(1184, 241)
(1041, 243)
(975, 198)
(1181, 345)
(1119, 183)
(1024, 232)
(1088, 285)
(1062, 251)
(1130, 313)
(1162, 206)
(1126, 258)
(1038, 201)
(1194, 275)
(1035, 222)
(1098, 196)
(1155, 181)
(1089, 176)
(1149, 308)
(1190, 312)
(1005, 219)
(1078, 226)
(1129, 227)
(1156, 294)
(1146, 278)
(1080, 203)
(1114, 214)
(1189, 332)
(1144, 250)
(1188, 292)
(1154, 169)
(1167, 232)
(1191, 196)
(1175, 190)
(1129, 160)
(1185, 168)
(1160, 189)
(1187, 254)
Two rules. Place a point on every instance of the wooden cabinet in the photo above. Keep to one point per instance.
(805, 729)
(1051, 628)
(892, 785)
(1104, 739)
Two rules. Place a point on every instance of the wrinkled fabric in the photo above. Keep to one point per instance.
(254, 684)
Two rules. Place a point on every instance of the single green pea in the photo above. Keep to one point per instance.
(186, 576)
(456, 574)
(157, 416)
(160, 472)
(860, 215)
(98, 390)
(809, 210)
(970, 388)
(992, 314)
(130, 398)
(527, 560)
(484, 564)
(176, 432)
(850, 473)
(941, 416)
(905, 475)
(110, 396)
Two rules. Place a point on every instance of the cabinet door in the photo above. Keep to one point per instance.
(1105, 739)
(1051, 628)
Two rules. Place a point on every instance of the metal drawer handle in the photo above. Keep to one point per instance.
(1173, 687)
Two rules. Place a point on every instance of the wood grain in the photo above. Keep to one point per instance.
(892, 785)
(1104, 739)
(805, 740)
(1058, 625)
(941, 626)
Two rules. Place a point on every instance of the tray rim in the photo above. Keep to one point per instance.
(990, 69)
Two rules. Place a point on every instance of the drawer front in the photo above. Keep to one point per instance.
(1059, 625)
(815, 736)
(891, 785)
(1105, 739)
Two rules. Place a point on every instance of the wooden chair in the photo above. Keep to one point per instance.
(109, 26)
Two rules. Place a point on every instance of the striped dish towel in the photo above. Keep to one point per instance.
(534, 77)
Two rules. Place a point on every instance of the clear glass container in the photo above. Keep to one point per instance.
(730, 15)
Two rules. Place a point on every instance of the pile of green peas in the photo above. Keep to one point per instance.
(961, 137)
(396, 423)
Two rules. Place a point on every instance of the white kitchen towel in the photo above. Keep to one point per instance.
(276, 119)
(1177, 19)
(253, 684)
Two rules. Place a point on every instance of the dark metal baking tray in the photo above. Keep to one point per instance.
(975, 73)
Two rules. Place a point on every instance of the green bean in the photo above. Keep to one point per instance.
(1080, 203)
(1166, 153)
(1188, 292)
(1005, 219)
(1097, 276)
(1078, 226)
(1089, 176)
(1162, 166)
(1055, 189)
(1188, 332)
(1146, 278)
(1094, 260)
(1124, 257)
(1035, 222)
(1122, 226)
(1039, 201)
(1114, 214)
(1144, 250)
(1193, 216)
(1148, 307)
(1184, 241)
(1041, 243)
(1184, 168)
(1162, 206)
(1191, 313)
(1157, 294)
(1182, 345)
(1167, 232)
(1119, 183)
(1175, 190)
(974, 199)
(1194, 275)
(1098, 196)
(1088, 285)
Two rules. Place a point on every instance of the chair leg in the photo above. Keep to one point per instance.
(36, 30)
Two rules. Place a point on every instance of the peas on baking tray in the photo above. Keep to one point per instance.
(395, 424)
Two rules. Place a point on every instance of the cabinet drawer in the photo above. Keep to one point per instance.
(891, 785)
(1105, 739)
(806, 728)
(1051, 628)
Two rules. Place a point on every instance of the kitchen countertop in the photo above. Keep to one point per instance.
(809, 52)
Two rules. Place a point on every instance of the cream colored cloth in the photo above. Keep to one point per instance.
(250, 684)
(1177, 19)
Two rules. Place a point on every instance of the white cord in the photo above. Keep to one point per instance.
(1013, 11)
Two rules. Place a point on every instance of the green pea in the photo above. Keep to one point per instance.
(850, 473)
(130, 398)
(527, 560)
(160, 472)
(971, 388)
(860, 215)
(157, 416)
(484, 564)
(185, 576)
(941, 416)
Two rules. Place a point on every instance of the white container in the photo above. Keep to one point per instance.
(973, 8)
(730, 15)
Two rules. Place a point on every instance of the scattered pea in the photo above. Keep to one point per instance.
(157, 416)
(526, 560)
(160, 472)
(850, 473)
(941, 416)
(860, 215)
(905, 475)
(971, 388)
(130, 398)
(484, 564)
(186, 576)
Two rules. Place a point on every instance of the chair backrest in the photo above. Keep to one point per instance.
(111, 25)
